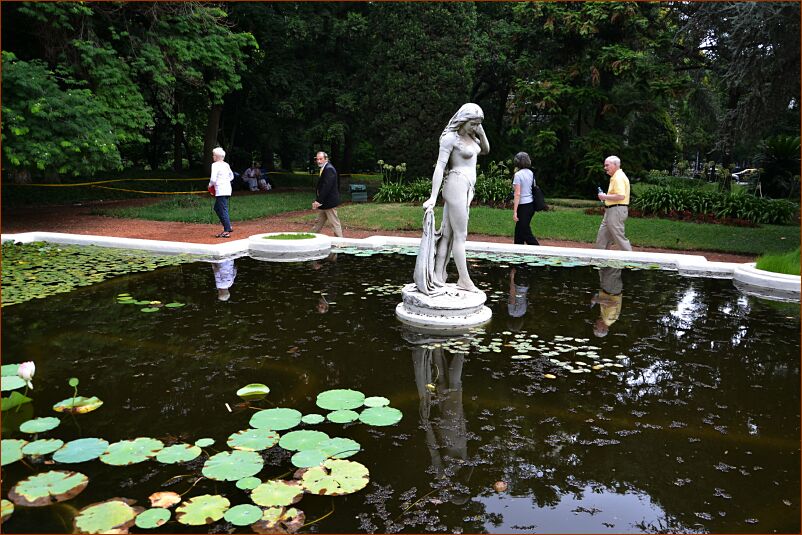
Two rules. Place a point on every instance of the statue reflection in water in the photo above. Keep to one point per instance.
(224, 274)
(438, 377)
(609, 298)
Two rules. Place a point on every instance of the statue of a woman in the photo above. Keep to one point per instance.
(462, 140)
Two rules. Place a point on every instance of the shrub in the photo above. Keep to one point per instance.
(418, 190)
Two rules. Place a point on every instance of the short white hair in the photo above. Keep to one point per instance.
(615, 160)
(218, 151)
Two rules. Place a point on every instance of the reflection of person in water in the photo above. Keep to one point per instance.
(439, 381)
(609, 300)
(327, 295)
(224, 274)
(516, 305)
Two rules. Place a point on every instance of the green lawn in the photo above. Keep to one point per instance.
(787, 263)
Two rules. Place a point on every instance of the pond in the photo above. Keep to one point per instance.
(683, 417)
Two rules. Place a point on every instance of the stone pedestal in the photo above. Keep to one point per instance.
(454, 309)
(261, 247)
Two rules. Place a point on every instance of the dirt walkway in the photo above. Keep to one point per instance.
(78, 220)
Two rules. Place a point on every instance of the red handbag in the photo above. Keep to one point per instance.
(211, 190)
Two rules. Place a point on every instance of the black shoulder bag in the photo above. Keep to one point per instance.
(538, 198)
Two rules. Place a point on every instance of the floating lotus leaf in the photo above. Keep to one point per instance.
(11, 382)
(42, 447)
(277, 492)
(380, 416)
(276, 419)
(178, 453)
(335, 478)
(14, 400)
(48, 488)
(243, 514)
(9, 370)
(308, 458)
(78, 405)
(80, 450)
(313, 419)
(152, 518)
(174, 305)
(134, 451)
(339, 448)
(253, 391)
(11, 450)
(343, 416)
(112, 516)
(204, 442)
(232, 465)
(376, 401)
(248, 483)
(7, 508)
(302, 440)
(202, 510)
(340, 399)
(149, 309)
(280, 520)
(253, 439)
(164, 499)
(40, 425)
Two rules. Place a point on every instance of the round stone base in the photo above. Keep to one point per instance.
(453, 309)
(262, 248)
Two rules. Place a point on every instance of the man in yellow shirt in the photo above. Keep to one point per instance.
(616, 203)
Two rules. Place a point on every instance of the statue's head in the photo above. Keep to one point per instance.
(467, 112)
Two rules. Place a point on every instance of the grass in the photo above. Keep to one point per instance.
(787, 263)
(293, 236)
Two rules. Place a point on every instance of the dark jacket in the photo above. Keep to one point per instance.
(328, 188)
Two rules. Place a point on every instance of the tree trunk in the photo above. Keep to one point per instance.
(20, 176)
(210, 137)
(177, 135)
(267, 156)
(348, 151)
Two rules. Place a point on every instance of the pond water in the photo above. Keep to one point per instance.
(690, 423)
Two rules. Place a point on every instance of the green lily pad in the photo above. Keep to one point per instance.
(111, 516)
(11, 382)
(42, 447)
(308, 458)
(153, 518)
(335, 478)
(11, 450)
(253, 439)
(376, 401)
(248, 483)
(380, 416)
(149, 309)
(276, 419)
(9, 370)
(178, 453)
(204, 442)
(40, 425)
(202, 510)
(277, 492)
(340, 399)
(48, 488)
(126, 452)
(253, 390)
(302, 440)
(313, 419)
(280, 520)
(339, 448)
(7, 509)
(73, 382)
(342, 416)
(81, 450)
(232, 465)
(174, 305)
(243, 514)
(78, 405)
(14, 400)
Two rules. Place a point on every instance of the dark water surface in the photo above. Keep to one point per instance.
(696, 429)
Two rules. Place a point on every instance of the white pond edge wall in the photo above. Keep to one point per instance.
(745, 276)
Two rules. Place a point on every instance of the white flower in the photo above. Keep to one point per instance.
(26, 371)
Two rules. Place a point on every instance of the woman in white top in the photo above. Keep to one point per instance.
(221, 180)
(523, 205)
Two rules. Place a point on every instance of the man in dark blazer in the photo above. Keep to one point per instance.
(328, 196)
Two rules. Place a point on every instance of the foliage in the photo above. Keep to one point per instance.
(787, 263)
(392, 173)
(416, 191)
(779, 160)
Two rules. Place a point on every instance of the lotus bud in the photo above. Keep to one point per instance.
(26, 371)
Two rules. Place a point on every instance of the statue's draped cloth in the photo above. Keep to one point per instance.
(428, 281)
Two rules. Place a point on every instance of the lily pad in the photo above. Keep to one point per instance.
(164, 499)
(343, 416)
(149, 309)
(276, 419)
(339, 448)
(40, 425)
(178, 453)
(376, 401)
(152, 518)
(11, 382)
(243, 514)
(204, 442)
(277, 492)
(308, 458)
(253, 391)
(335, 478)
(280, 520)
(81, 450)
(313, 419)
(380, 416)
(232, 465)
(202, 510)
(78, 405)
(253, 440)
(9, 370)
(340, 399)
(48, 488)
(111, 516)
(126, 452)
(7, 509)
(174, 305)
(11, 450)
(42, 447)
(302, 440)
(248, 483)
(14, 400)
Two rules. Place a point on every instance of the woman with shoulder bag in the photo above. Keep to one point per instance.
(523, 204)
